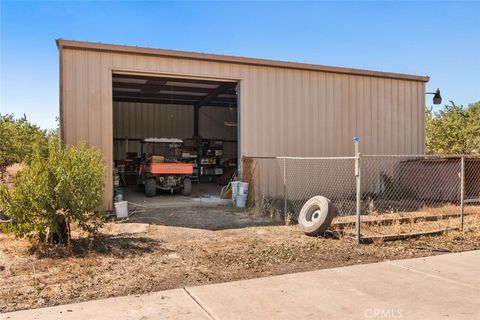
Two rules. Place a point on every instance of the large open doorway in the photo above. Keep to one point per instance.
(169, 120)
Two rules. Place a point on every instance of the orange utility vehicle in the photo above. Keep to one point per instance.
(160, 169)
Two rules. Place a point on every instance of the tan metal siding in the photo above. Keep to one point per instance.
(143, 120)
(283, 111)
(229, 60)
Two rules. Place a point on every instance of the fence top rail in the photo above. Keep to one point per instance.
(373, 156)
(317, 158)
(252, 157)
(422, 155)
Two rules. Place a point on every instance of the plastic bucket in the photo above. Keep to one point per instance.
(243, 189)
(241, 201)
(121, 209)
(235, 185)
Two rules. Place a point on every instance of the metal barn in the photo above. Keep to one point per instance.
(113, 96)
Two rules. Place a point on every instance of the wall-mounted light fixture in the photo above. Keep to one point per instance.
(437, 98)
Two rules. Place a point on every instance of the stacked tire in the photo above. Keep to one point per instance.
(316, 216)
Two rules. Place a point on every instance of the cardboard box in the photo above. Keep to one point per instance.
(208, 172)
(192, 142)
(189, 155)
(158, 159)
(208, 161)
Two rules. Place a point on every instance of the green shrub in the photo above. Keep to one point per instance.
(59, 186)
(18, 139)
(453, 129)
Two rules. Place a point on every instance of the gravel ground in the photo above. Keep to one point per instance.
(134, 258)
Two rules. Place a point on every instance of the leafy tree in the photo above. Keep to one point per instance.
(61, 185)
(18, 138)
(453, 130)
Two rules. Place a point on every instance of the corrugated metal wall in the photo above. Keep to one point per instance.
(283, 111)
(135, 121)
(144, 120)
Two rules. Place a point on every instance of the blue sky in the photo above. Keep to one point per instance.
(440, 39)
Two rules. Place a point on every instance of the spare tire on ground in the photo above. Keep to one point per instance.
(316, 215)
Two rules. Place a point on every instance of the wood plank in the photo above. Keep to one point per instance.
(388, 221)
(403, 236)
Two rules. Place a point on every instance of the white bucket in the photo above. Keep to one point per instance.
(243, 189)
(235, 185)
(121, 209)
(241, 201)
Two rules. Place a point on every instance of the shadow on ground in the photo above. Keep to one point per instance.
(201, 217)
(118, 246)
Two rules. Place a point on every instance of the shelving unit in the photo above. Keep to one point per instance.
(210, 157)
(190, 155)
(207, 155)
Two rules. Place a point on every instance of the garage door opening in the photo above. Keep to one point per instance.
(178, 136)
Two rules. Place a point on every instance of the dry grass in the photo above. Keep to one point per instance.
(410, 222)
(157, 258)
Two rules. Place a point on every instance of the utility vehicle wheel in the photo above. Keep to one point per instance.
(316, 216)
(187, 187)
(150, 187)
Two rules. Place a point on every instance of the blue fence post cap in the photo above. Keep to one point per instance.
(356, 138)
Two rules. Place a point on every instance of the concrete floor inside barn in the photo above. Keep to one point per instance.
(202, 194)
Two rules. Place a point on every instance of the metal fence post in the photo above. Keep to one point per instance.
(285, 186)
(462, 191)
(358, 189)
(358, 175)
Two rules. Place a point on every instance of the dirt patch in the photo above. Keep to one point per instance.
(201, 217)
(133, 259)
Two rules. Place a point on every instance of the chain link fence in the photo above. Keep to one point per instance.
(377, 196)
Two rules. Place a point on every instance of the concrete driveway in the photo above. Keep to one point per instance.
(440, 287)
